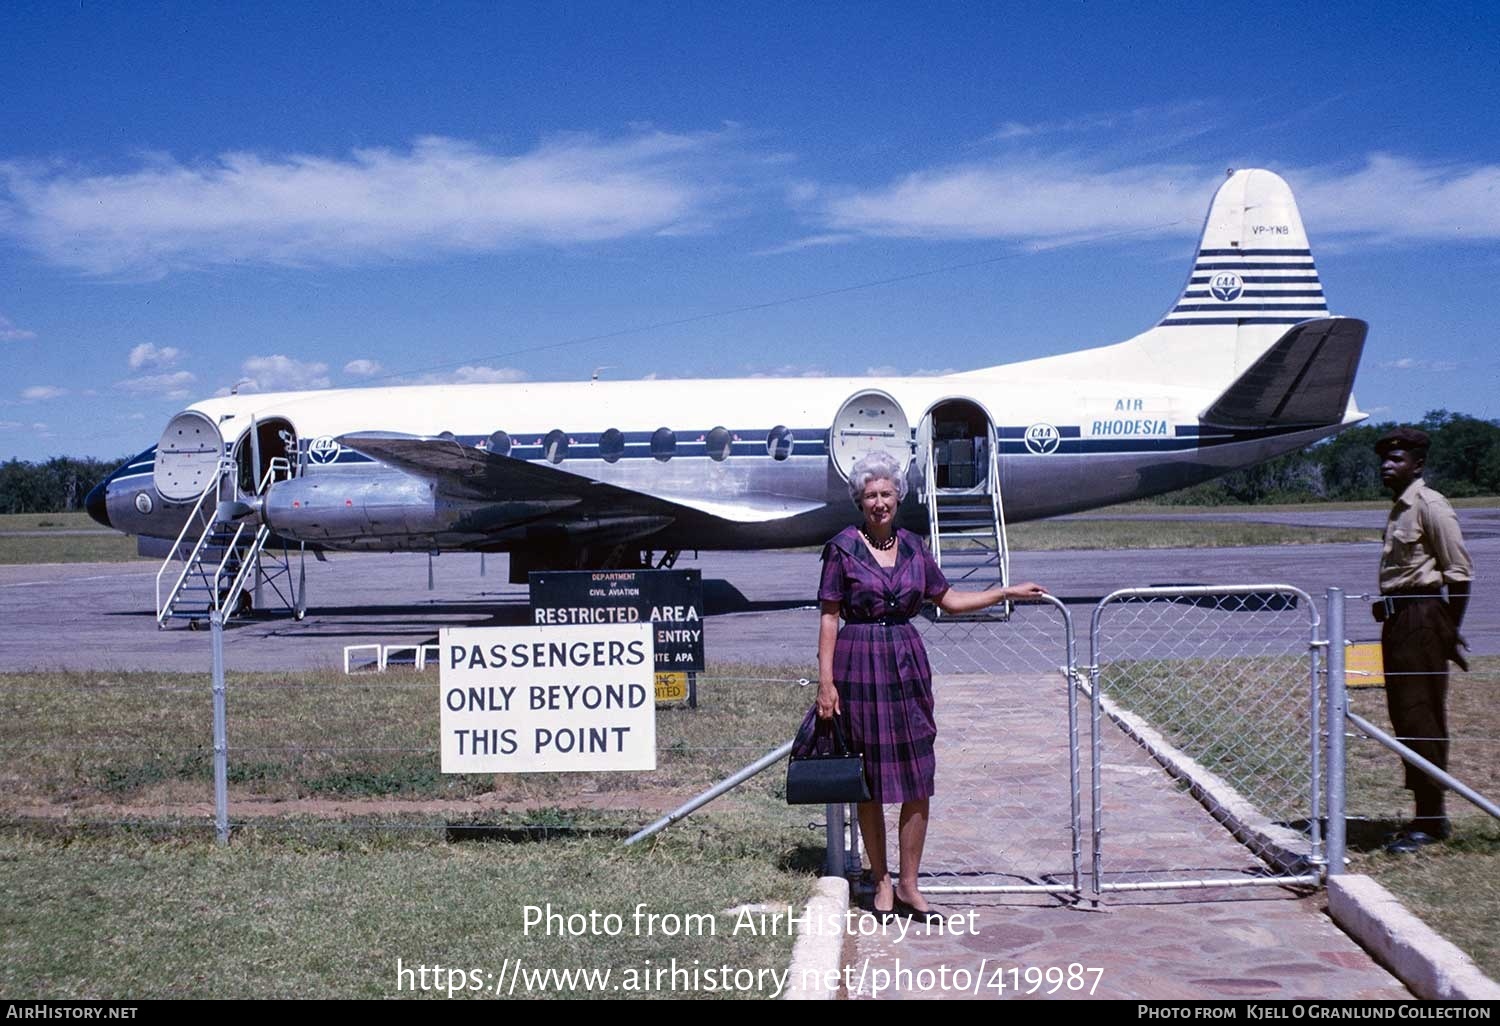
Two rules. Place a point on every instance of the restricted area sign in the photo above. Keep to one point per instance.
(547, 699)
(670, 599)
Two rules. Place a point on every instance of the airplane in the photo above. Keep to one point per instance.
(1245, 365)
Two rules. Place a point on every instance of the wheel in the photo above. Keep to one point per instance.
(192, 625)
(299, 615)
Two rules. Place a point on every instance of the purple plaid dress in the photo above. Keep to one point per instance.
(879, 664)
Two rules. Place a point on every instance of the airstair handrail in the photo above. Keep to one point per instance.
(214, 486)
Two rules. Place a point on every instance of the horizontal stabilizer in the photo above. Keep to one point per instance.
(1303, 380)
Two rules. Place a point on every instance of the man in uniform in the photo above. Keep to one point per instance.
(1423, 552)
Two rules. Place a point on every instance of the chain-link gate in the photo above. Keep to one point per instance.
(1220, 687)
(1005, 818)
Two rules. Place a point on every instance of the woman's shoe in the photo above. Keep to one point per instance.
(912, 912)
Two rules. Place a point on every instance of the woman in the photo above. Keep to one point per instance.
(875, 669)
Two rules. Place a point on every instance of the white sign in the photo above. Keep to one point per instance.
(547, 699)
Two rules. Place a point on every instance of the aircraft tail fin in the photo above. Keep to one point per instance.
(1254, 267)
(1303, 380)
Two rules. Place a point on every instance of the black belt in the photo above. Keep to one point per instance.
(1389, 605)
(886, 621)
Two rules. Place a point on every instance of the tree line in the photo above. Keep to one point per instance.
(59, 485)
(1465, 460)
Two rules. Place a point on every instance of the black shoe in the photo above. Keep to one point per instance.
(1409, 841)
(1432, 826)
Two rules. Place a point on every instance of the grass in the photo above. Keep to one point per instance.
(79, 738)
(48, 521)
(109, 886)
(1056, 535)
(120, 915)
(103, 547)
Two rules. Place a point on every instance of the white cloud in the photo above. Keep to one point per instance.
(147, 355)
(1406, 363)
(472, 375)
(282, 373)
(9, 425)
(363, 368)
(37, 393)
(10, 333)
(160, 386)
(1041, 198)
(1398, 198)
(439, 195)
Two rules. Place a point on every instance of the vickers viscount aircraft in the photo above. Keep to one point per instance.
(1245, 365)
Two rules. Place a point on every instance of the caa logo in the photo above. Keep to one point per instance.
(1226, 286)
(1042, 439)
(324, 450)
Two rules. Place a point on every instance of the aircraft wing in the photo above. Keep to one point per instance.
(1303, 380)
(477, 474)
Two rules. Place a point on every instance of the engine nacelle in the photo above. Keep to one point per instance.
(327, 507)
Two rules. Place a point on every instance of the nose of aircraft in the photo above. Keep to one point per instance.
(95, 503)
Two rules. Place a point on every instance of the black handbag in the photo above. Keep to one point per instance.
(818, 777)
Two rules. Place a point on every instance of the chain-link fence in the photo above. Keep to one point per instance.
(1005, 814)
(1219, 687)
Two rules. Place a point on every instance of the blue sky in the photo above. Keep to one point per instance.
(319, 194)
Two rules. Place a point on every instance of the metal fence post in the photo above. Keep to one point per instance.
(221, 740)
(1338, 709)
(834, 864)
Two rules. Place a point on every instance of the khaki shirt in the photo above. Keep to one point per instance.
(1424, 548)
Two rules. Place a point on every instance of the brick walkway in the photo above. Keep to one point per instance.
(1001, 815)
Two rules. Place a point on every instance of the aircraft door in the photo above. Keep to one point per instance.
(271, 439)
(962, 444)
(868, 422)
(187, 456)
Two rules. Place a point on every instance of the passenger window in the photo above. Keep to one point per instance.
(611, 445)
(779, 442)
(555, 446)
(500, 443)
(718, 443)
(663, 444)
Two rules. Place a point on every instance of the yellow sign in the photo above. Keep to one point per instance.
(671, 687)
(1363, 667)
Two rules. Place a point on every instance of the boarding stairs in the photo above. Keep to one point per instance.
(967, 534)
(230, 561)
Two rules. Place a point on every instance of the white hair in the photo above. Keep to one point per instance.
(876, 466)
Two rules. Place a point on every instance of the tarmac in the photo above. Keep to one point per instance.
(760, 604)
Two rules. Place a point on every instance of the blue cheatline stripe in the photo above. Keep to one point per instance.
(129, 477)
(1181, 322)
(1261, 293)
(1232, 306)
(1256, 267)
(1254, 252)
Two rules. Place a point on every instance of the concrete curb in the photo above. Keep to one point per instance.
(818, 955)
(1431, 966)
